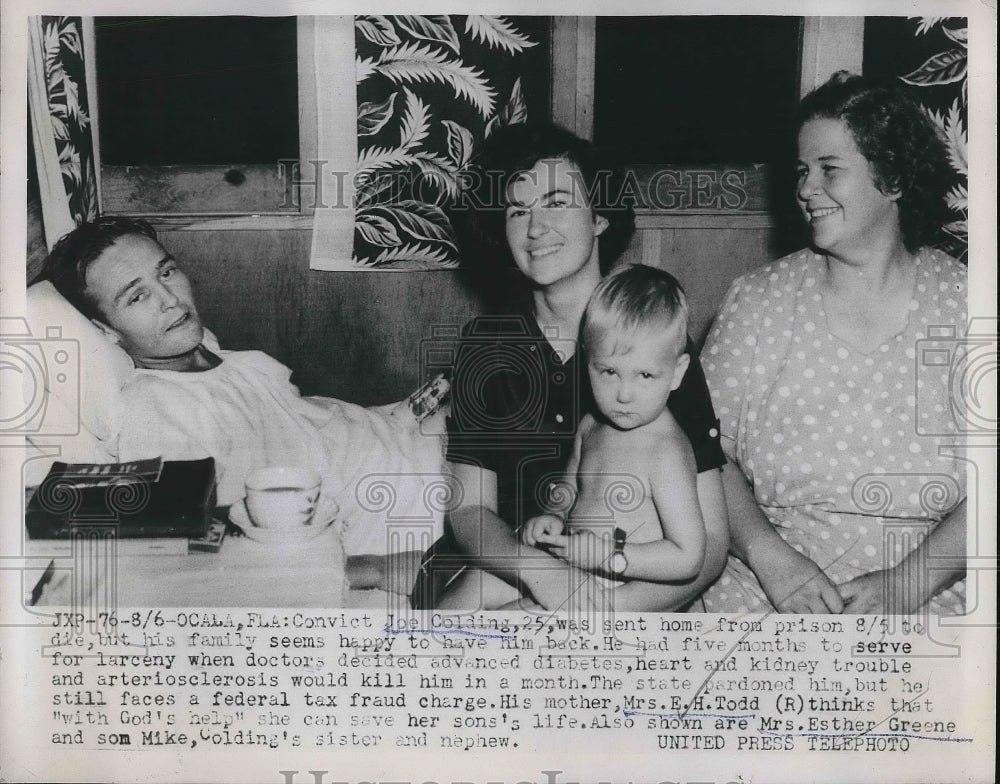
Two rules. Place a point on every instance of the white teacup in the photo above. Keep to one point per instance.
(282, 497)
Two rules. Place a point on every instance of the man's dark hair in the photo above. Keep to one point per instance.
(67, 264)
(899, 141)
(514, 149)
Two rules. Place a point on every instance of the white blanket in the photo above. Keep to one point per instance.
(380, 468)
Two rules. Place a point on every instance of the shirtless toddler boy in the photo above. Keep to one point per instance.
(628, 505)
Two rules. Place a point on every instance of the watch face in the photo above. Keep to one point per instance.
(618, 563)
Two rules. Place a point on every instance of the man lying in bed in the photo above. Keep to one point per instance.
(188, 401)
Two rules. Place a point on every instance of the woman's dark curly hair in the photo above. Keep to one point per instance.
(514, 149)
(899, 141)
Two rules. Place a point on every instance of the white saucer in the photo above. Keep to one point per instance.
(238, 515)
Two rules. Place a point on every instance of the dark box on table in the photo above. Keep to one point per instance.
(176, 503)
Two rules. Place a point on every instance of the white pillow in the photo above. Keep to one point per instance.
(104, 367)
(84, 372)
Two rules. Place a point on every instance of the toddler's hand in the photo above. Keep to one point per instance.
(585, 550)
(541, 529)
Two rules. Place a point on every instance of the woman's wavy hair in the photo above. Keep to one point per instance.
(900, 142)
(514, 149)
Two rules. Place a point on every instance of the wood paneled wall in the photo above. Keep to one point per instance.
(358, 336)
(705, 253)
(351, 335)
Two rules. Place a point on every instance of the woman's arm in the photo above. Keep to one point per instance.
(935, 564)
(792, 582)
(481, 533)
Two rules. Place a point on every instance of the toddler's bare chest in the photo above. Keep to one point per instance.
(614, 488)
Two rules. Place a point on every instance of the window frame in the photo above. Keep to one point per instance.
(194, 179)
(828, 44)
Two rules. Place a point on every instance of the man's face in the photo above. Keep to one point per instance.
(146, 301)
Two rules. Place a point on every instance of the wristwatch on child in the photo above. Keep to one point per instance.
(618, 562)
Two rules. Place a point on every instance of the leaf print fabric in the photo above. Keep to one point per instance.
(428, 89)
(929, 57)
(950, 67)
(65, 83)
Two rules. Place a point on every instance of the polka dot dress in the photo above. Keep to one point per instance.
(847, 452)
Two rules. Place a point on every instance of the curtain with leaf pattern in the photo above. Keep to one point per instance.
(427, 89)
(941, 85)
(60, 123)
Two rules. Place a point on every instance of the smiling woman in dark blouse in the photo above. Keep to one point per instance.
(519, 390)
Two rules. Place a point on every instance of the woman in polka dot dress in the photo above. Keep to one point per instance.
(850, 493)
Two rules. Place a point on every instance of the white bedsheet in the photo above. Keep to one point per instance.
(380, 468)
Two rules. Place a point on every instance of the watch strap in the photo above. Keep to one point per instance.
(619, 561)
